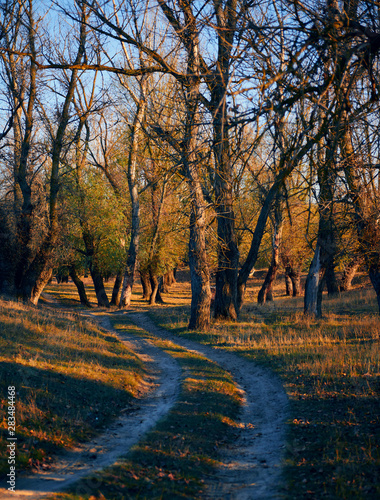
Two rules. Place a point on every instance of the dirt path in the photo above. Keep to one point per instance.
(121, 435)
(251, 466)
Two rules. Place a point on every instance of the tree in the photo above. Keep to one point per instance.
(19, 55)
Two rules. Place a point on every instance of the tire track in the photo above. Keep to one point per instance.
(121, 435)
(252, 465)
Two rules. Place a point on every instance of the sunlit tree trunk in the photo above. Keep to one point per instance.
(312, 285)
(131, 265)
(145, 282)
(349, 272)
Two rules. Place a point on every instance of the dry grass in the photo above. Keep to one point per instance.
(68, 375)
(331, 371)
(172, 460)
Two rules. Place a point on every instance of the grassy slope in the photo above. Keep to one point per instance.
(70, 380)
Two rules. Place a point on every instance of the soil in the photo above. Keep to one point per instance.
(251, 466)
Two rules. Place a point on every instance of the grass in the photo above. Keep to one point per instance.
(71, 379)
(172, 460)
(330, 369)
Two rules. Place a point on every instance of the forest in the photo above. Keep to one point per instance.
(189, 249)
(220, 134)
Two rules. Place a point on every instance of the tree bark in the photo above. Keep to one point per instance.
(42, 280)
(116, 291)
(349, 272)
(199, 270)
(313, 284)
(145, 282)
(80, 287)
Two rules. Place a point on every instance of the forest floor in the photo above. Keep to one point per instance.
(248, 468)
(275, 406)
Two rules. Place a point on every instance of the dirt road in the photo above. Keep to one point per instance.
(251, 466)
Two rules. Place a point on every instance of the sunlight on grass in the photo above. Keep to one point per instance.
(331, 371)
(171, 460)
(70, 379)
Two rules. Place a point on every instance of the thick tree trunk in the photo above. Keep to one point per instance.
(349, 273)
(265, 293)
(374, 274)
(331, 281)
(100, 291)
(155, 296)
(42, 280)
(95, 273)
(225, 305)
(80, 287)
(200, 274)
(116, 291)
(295, 277)
(167, 280)
(146, 286)
(170, 277)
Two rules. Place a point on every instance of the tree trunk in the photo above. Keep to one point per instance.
(295, 276)
(170, 277)
(116, 291)
(42, 280)
(96, 275)
(288, 281)
(100, 291)
(155, 296)
(266, 291)
(167, 280)
(312, 284)
(225, 305)
(331, 281)
(131, 266)
(146, 286)
(80, 287)
(374, 274)
(163, 284)
(200, 274)
(349, 273)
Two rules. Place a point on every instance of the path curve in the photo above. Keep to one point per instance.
(252, 465)
(120, 436)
